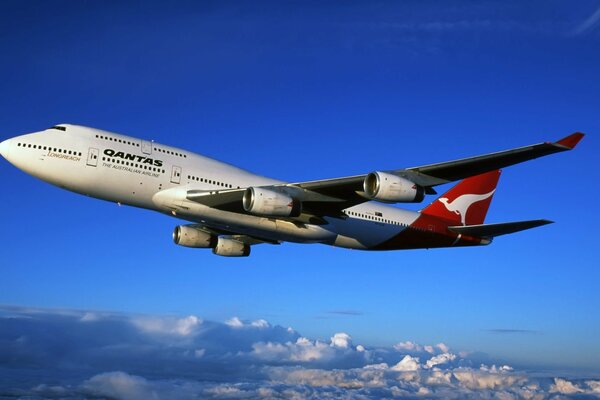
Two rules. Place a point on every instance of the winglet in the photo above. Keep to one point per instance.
(571, 141)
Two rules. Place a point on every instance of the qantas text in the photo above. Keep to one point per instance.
(133, 157)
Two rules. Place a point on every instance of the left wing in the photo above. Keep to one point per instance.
(327, 197)
(247, 239)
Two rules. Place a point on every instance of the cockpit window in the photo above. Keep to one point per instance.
(60, 128)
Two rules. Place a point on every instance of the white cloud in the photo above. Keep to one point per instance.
(429, 349)
(408, 346)
(341, 340)
(234, 322)
(443, 348)
(440, 359)
(439, 378)
(415, 348)
(594, 386)
(225, 392)
(565, 387)
(589, 24)
(478, 380)
(303, 350)
(101, 355)
(90, 316)
(408, 363)
(260, 323)
(381, 366)
(168, 325)
(120, 385)
(494, 369)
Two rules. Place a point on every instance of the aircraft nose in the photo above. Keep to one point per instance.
(4, 148)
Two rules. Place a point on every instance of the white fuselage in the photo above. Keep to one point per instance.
(150, 175)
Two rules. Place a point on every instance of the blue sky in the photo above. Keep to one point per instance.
(302, 91)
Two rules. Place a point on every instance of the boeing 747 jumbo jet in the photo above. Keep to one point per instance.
(231, 209)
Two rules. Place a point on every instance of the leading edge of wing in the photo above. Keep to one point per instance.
(449, 171)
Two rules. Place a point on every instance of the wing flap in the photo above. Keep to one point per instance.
(493, 230)
(252, 240)
(226, 200)
(247, 239)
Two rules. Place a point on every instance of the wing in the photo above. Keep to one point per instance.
(327, 197)
(247, 239)
(493, 230)
(450, 171)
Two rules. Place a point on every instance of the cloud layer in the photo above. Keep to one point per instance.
(73, 354)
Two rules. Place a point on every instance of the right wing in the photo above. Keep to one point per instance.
(328, 197)
(450, 171)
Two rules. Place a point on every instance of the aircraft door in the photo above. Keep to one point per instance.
(92, 159)
(176, 174)
(146, 147)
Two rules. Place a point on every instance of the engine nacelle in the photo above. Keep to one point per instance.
(231, 248)
(389, 188)
(188, 236)
(269, 203)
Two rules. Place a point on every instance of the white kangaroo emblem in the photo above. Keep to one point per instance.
(460, 205)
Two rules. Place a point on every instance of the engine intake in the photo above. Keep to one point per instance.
(270, 203)
(231, 248)
(389, 188)
(188, 236)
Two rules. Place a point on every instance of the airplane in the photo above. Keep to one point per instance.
(230, 209)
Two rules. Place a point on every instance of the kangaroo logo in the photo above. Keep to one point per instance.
(460, 205)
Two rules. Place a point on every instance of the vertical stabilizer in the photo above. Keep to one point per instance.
(466, 203)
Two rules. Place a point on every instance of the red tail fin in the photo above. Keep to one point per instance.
(468, 201)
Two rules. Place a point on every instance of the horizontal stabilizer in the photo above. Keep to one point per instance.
(493, 230)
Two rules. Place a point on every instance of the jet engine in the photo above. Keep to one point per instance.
(188, 236)
(270, 203)
(389, 188)
(231, 248)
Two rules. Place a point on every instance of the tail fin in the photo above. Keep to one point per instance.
(466, 203)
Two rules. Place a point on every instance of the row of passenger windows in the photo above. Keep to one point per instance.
(117, 140)
(210, 181)
(132, 164)
(173, 153)
(54, 149)
(374, 218)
